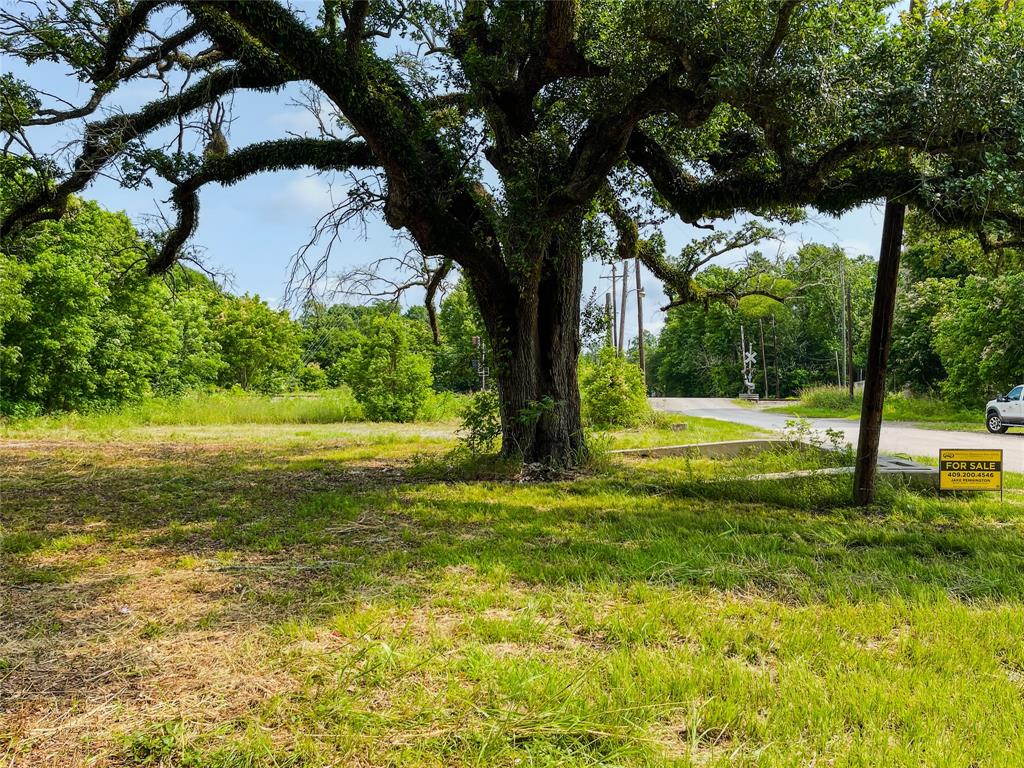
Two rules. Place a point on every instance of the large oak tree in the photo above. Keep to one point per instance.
(500, 133)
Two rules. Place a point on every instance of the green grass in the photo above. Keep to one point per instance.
(834, 402)
(220, 408)
(294, 595)
(676, 429)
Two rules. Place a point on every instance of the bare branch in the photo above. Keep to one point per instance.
(238, 165)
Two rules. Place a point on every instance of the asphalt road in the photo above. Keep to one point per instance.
(897, 436)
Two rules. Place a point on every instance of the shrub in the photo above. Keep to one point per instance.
(390, 380)
(443, 406)
(312, 377)
(831, 398)
(898, 406)
(613, 392)
(481, 422)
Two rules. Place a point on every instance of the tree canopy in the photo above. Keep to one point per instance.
(500, 136)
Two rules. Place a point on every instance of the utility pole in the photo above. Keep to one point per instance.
(842, 308)
(880, 342)
(640, 321)
(609, 320)
(839, 371)
(849, 340)
(865, 470)
(622, 307)
(775, 346)
(615, 337)
(764, 359)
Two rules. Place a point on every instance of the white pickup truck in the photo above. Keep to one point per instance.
(1006, 411)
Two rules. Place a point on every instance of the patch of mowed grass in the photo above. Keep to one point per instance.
(650, 612)
(676, 429)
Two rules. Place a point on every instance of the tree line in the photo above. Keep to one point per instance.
(956, 335)
(82, 327)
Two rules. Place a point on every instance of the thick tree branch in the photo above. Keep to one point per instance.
(355, 23)
(122, 32)
(431, 288)
(782, 20)
(604, 140)
(106, 139)
(679, 275)
(508, 83)
(428, 193)
(721, 196)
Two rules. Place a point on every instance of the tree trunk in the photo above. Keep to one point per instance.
(878, 354)
(536, 342)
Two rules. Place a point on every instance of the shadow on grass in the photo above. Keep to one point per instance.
(125, 565)
(299, 531)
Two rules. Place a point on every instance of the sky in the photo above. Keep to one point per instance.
(250, 232)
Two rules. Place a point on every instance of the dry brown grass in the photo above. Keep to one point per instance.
(130, 637)
(122, 647)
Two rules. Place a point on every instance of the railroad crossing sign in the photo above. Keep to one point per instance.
(749, 358)
(969, 469)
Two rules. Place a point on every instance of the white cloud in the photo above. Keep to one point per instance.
(308, 193)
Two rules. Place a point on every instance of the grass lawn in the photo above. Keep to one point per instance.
(925, 412)
(311, 595)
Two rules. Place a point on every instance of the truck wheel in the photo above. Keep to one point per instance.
(995, 424)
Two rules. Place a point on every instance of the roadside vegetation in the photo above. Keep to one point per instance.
(328, 406)
(956, 334)
(835, 402)
(82, 336)
(268, 594)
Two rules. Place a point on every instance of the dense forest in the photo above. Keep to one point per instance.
(81, 327)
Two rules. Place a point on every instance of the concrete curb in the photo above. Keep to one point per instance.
(720, 450)
(922, 478)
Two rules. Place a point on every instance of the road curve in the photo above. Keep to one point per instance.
(897, 436)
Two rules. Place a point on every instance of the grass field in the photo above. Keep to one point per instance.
(928, 412)
(312, 595)
(329, 406)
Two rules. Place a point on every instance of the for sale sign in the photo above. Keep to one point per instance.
(968, 469)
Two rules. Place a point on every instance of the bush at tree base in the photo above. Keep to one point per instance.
(613, 392)
(481, 423)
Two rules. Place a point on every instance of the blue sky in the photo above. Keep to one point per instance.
(251, 231)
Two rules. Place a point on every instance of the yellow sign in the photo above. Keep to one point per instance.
(968, 469)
